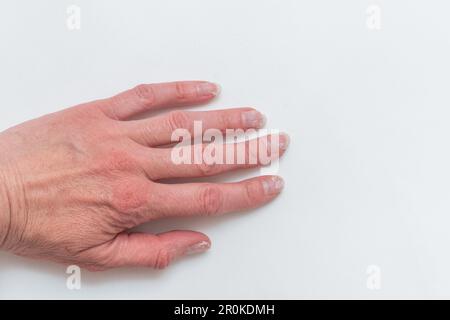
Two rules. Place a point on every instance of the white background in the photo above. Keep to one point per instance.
(367, 173)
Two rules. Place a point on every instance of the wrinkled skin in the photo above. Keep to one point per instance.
(74, 182)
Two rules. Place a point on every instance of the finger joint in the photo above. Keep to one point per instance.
(145, 92)
(211, 200)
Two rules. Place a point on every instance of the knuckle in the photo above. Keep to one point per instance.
(182, 91)
(207, 169)
(162, 260)
(224, 120)
(129, 197)
(210, 200)
(144, 92)
(178, 119)
(252, 193)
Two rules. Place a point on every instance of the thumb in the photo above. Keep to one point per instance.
(155, 251)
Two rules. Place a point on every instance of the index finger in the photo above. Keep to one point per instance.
(145, 97)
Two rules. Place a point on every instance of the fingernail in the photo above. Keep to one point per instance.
(284, 141)
(253, 119)
(273, 185)
(208, 89)
(198, 247)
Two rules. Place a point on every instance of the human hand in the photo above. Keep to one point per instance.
(73, 183)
